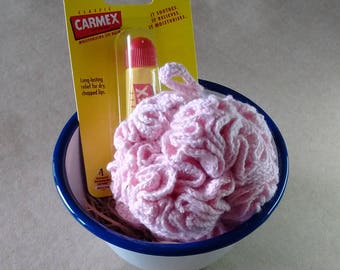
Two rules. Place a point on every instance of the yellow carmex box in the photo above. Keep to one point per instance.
(115, 53)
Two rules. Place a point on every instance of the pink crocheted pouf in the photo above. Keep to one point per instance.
(190, 165)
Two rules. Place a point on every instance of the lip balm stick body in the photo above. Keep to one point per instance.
(141, 71)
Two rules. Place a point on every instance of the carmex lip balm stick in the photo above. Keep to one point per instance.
(114, 66)
(141, 71)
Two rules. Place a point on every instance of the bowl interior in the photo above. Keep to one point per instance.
(74, 169)
(69, 179)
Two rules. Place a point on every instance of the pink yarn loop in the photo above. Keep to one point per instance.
(189, 166)
(190, 87)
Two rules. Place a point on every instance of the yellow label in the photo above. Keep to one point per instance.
(99, 70)
(140, 84)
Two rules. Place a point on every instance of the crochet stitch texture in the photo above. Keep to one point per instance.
(191, 165)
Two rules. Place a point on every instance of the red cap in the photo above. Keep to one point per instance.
(142, 53)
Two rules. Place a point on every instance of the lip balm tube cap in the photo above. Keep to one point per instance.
(140, 53)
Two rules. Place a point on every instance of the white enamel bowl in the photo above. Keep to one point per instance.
(70, 184)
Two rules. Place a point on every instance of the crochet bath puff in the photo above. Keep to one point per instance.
(190, 165)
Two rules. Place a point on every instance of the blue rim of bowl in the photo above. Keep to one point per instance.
(169, 249)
